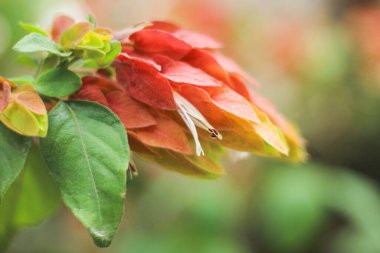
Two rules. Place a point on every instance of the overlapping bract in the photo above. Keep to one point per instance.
(22, 109)
(182, 101)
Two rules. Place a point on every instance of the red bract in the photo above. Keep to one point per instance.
(140, 79)
(61, 24)
(363, 24)
(182, 101)
(132, 113)
(182, 72)
(160, 42)
(5, 93)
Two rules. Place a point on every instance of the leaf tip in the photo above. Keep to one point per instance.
(101, 239)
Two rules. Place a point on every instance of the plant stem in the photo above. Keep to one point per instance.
(39, 66)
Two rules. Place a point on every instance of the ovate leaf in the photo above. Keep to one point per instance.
(58, 82)
(31, 199)
(35, 42)
(87, 152)
(13, 153)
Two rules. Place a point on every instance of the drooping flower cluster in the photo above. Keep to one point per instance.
(182, 102)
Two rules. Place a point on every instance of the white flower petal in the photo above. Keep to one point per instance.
(192, 128)
(196, 116)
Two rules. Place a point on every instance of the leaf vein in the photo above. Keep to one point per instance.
(83, 145)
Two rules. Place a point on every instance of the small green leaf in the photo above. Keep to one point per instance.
(114, 52)
(85, 64)
(22, 80)
(94, 54)
(91, 41)
(33, 28)
(58, 82)
(87, 152)
(13, 153)
(35, 42)
(31, 199)
(72, 36)
(92, 20)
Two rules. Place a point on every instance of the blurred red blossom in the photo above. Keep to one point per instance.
(364, 26)
(287, 42)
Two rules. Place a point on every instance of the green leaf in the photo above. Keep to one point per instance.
(35, 42)
(32, 198)
(94, 54)
(91, 41)
(92, 20)
(23, 80)
(58, 82)
(87, 152)
(27, 60)
(33, 28)
(13, 153)
(85, 64)
(114, 52)
(72, 36)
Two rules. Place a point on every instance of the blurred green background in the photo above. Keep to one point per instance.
(319, 62)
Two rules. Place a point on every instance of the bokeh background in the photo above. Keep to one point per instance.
(319, 62)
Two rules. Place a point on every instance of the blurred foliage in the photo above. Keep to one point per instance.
(340, 102)
(11, 13)
(320, 63)
(32, 198)
(314, 208)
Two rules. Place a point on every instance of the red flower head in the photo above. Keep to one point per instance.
(182, 101)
